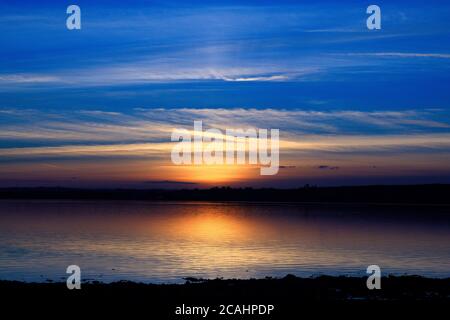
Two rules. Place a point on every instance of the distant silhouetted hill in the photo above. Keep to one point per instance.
(394, 194)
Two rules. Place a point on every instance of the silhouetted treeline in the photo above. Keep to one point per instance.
(398, 194)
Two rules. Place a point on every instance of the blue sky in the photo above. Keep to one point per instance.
(175, 54)
(304, 60)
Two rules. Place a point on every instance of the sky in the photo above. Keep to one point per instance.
(95, 107)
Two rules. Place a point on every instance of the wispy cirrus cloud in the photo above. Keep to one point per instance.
(402, 55)
(261, 78)
(28, 78)
(139, 75)
(146, 132)
(155, 124)
(290, 147)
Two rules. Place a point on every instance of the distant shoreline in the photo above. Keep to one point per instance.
(413, 195)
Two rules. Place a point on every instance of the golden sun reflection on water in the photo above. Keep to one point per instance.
(166, 242)
(210, 226)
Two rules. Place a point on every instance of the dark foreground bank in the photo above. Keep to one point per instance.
(291, 297)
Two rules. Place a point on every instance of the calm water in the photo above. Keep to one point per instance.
(164, 242)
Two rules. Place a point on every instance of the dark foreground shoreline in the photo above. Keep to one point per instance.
(291, 296)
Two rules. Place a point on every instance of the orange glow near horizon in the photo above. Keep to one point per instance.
(299, 168)
(211, 174)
